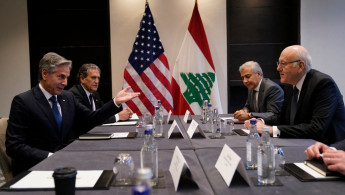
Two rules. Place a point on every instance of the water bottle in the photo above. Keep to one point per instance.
(161, 109)
(253, 140)
(217, 124)
(266, 159)
(204, 111)
(157, 123)
(149, 154)
(209, 117)
(143, 182)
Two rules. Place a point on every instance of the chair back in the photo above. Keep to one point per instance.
(5, 161)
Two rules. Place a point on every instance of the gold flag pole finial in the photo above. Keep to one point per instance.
(146, 1)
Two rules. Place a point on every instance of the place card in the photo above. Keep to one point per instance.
(175, 134)
(192, 128)
(180, 172)
(186, 116)
(168, 118)
(228, 163)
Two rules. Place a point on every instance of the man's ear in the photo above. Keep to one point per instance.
(301, 64)
(44, 74)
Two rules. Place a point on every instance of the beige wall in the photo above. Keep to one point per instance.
(171, 19)
(14, 52)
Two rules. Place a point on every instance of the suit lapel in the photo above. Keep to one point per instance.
(261, 94)
(85, 98)
(43, 104)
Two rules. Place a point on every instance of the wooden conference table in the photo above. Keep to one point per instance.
(200, 154)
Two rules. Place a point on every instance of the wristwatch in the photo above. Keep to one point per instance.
(250, 115)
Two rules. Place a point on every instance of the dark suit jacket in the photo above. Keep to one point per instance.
(79, 93)
(270, 99)
(32, 130)
(320, 111)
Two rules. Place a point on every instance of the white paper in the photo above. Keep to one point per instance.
(185, 118)
(312, 172)
(246, 130)
(230, 117)
(121, 123)
(227, 164)
(119, 135)
(169, 115)
(192, 127)
(134, 117)
(176, 166)
(172, 127)
(44, 179)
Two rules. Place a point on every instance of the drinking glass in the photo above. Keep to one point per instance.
(228, 127)
(124, 169)
(279, 160)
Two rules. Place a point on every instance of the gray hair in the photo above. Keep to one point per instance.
(50, 62)
(84, 70)
(303, 55)
(254, 65)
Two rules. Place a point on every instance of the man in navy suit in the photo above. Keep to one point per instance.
(86, 91)
(45, 119)
(313, 106)
(265, 97)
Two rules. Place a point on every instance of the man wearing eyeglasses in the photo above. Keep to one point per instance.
(313, 106)
(265, 97)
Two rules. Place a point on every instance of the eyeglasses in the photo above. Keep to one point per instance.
(283, 64)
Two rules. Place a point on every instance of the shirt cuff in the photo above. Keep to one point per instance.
(49, 154)
(262, 120)
(116, 104)
(276, 131)
(117, 118)
(333, 148)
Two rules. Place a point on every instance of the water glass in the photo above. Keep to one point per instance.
(228, 127)
(279, 160)
(140, 127)
(124, 169)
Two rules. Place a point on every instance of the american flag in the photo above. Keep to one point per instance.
(147, 70)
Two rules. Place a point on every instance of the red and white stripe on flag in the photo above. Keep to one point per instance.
(147, 70)
(194, 74)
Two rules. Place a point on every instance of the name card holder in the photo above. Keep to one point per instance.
(192, 128)
(180, 173)
(187, 116)
(228, 164)
(172, 134)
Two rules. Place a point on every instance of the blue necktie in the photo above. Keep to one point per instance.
(293, 105)
(56, 112)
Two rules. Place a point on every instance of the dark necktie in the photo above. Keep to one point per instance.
(91, 102)
(293, 105)
(56, 112)
(255, 101)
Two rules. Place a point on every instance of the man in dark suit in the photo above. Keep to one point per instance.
(46, 118)
(313, 106)
(265, 97)
(86, 91)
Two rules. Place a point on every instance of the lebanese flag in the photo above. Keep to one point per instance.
(194, 74)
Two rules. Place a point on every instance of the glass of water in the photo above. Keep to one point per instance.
(228, 127)
(279, 160)
(123, 169)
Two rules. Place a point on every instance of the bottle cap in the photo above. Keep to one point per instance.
(157, 107)
(253, 122)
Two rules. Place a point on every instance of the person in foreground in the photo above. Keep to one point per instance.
(333, 157)
(46, 118)
(265, 97)
(86, 92)
(313, 106)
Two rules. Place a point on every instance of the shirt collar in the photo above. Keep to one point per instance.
(257, 88)
(45, 92)
(300, 82)
(86, 91)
